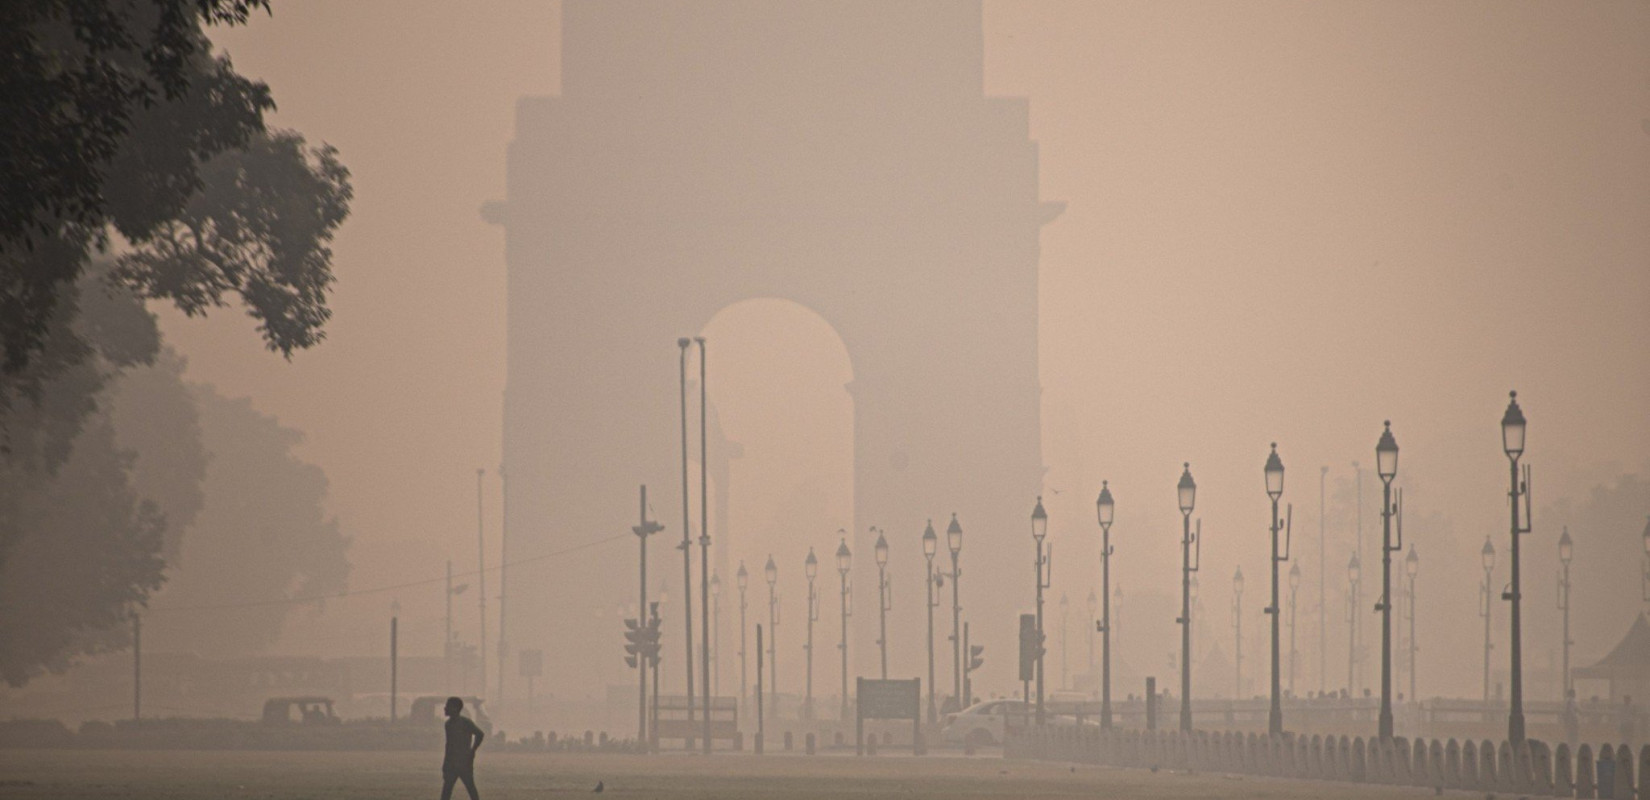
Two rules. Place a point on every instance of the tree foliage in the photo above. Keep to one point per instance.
(115, 111)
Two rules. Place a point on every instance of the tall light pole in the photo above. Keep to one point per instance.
(1566, 550)
(885, 599)
(1065, 664)
(1487, 557)
(1039, 529)
(1512, 442)
(1093, 606)
(481, 579)
(1186, 492)
(687, 539)
(1294, 587)
(930, 545)
(1104, 507)
(954, 542)
(643, 529)
(704, 557)
(1354, 577)
(1386, 463)
(1357, 588)
(716, 637)
(810, 569)
(771, 572)
(1323, 575)
(1237, 630)
(844, 562)
(742, 580)
(1412, 565)
(1274, 490)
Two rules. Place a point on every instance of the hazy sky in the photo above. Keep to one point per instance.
(1285, 221)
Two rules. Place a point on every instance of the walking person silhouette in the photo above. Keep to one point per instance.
(463, 740)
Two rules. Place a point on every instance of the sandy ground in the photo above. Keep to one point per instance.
(187, 775)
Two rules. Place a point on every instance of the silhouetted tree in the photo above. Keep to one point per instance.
(115, 113)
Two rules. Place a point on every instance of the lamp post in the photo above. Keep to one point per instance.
(1412, 565)
(1065, 665)
(1487, 557)
(810, 569)
(885, 598)
(953, 542)
(844, 561)
(1566, 550)
(1323, 576)
(1104, 507)
(704, 556)
(1186, 492)
(1093, 605)
(1512, 442)
(1237, 630)
(771, 572)
(687, 542)
(716, 636)
(930, 545)
(1039, 529)
(1294, 587)
(1354, 575)
(742, 580)
(1386, 465)
(1274, 490)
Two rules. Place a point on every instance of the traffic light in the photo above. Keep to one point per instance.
(1031, 646)
(975, 656)
(636, 641)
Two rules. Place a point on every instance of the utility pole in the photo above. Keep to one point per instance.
(641, 637)
(1323, 604)
(704, 551)
(687, 542)
(742, 581)
(503, 574)
(395, 623)
(481, 578)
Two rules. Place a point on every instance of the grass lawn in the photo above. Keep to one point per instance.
(186, 775)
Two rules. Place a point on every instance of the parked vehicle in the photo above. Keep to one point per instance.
(987, 723)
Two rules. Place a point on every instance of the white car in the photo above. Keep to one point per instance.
(985, 723)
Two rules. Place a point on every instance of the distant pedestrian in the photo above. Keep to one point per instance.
(463, 740)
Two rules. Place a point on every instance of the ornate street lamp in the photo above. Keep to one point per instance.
(1104, 508)
(771, 572)
(1487, 557)
(844, 562)
(885, 598)
(1039, 530)
(1566, 551)
(1354, 575)
(1294, 587)
(1386, 465)
(742, 580)
(930, 546)
(716, 635)
(1512, 442)
(954, 542)
(1237, 629)
(810, 570)
(1412, 565)
(1186, 492)
(1274, 490)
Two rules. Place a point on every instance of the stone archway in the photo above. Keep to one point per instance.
(839, 155)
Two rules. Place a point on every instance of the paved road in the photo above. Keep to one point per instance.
(195, 775)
